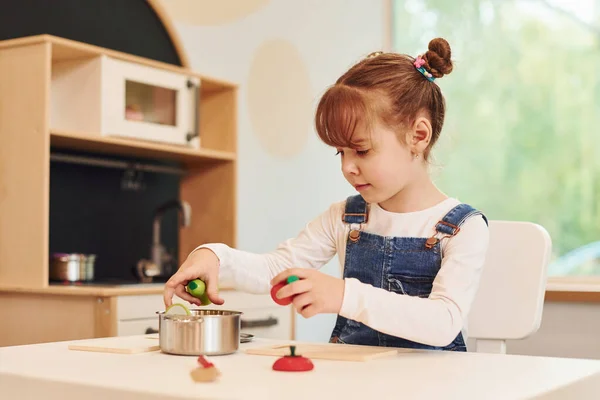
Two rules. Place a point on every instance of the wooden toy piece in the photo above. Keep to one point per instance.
(177, 308)
(287, 300)
(293, 362)
(329, 351)
(205, 372)
(197, 288)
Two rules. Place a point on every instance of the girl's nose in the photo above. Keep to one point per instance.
(349, 167)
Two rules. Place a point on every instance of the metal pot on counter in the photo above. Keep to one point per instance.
(73, 267)
(204, 332)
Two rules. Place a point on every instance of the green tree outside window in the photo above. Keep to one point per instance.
(521, 139)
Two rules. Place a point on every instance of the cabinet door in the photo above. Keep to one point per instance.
(137, 327)
(271, 323)
(260, 315)
(142, 306)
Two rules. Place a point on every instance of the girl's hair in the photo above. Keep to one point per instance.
(386, 87)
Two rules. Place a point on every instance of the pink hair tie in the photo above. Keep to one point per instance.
(419, 62)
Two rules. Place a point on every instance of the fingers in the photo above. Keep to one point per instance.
(171, 286)
(309, 311)
(212, 290)
(202, 264)
(168, 296)
(294, 288)
(182, 294)
(282, 276)
(302, 301)
(176, 285)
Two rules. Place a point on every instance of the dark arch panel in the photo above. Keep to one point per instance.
(130, 26)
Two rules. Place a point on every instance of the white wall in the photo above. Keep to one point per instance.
(283, 53)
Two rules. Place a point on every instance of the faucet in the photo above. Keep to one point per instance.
(147, 269)
(158, 252)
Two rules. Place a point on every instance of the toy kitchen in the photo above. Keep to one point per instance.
(113, 218)
(131, 153)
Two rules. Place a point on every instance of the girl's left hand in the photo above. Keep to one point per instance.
(314, 293)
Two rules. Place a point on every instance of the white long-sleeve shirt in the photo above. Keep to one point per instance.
(435, 320)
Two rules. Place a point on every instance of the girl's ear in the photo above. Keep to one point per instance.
(420, 135)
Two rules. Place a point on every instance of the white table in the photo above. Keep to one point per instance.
(52, 371)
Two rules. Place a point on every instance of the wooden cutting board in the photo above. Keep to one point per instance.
(326, 351)
(122, 345)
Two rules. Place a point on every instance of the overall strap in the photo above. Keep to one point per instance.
(450, 224)
(356, 211)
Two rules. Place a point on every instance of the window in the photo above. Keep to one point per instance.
(521, 138)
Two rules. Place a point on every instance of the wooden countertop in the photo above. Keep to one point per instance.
(580, 289)
(558, 289)
(52, 371)
(93, 290)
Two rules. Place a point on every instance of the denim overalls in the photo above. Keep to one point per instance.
(403, 265)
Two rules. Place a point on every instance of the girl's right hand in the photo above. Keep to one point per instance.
(201, 264)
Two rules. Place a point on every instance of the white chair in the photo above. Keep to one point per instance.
(510, 299)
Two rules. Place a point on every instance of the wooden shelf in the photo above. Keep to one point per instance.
(95, 290)
(112, 145)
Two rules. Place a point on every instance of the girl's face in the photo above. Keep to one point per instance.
(380, 166)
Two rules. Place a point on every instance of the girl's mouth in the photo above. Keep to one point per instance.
(362, 187)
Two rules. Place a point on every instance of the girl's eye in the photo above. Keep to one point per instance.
(359, 152)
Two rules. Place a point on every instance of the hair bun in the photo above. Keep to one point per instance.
(438, 58)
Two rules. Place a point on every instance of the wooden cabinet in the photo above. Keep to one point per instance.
(69, 313)
(37, 114)
(27, 133)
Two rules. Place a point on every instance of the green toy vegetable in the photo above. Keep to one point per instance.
(197, 288)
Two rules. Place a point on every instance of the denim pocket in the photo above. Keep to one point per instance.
(410, 285)
(411, 261)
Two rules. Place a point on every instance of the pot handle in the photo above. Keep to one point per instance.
(259, 323)
(151, 330)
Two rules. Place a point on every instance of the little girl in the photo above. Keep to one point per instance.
(411, 257)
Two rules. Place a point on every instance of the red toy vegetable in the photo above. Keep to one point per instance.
(293, 362)
(286, 300)
(204, 362)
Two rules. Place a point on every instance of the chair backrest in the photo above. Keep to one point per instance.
(510, 299)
